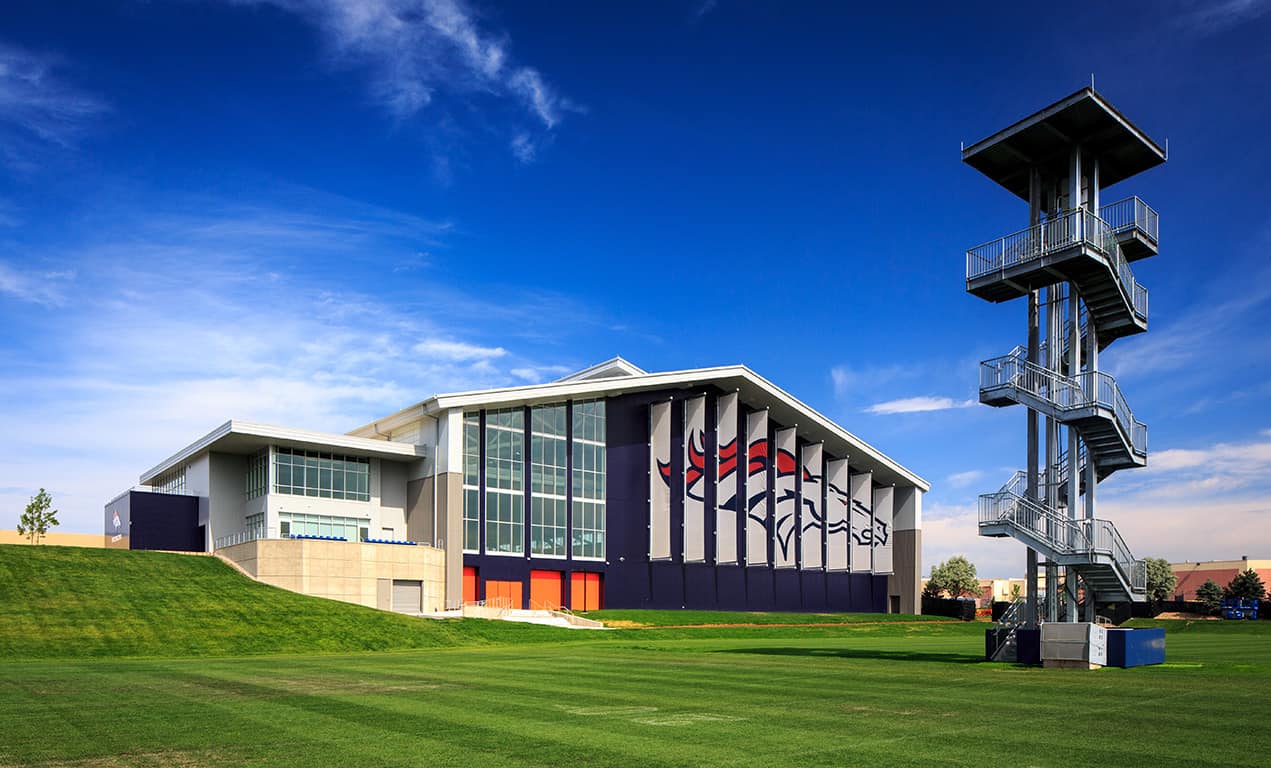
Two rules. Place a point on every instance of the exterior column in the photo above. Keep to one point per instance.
(1074, 463)
(1034, 219)
(906, 577)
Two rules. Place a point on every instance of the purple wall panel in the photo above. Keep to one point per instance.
(699, 587)
(631, 581)
(760, 595)
(813, 590)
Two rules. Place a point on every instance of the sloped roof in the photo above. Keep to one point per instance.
(754, 391)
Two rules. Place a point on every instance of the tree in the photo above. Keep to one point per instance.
(1160, 579)
(956, 577)
(38, 517)
(1247, 584)
(1210, 594)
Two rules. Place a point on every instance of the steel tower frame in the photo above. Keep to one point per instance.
(1073, 265)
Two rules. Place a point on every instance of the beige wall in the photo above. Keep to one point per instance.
(343, 570)
(450, 502)
(60, 539)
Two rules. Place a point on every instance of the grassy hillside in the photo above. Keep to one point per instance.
(65, 602)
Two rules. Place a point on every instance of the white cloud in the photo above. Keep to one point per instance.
(523, 148)
(419, 48)
(458, 350)
(176, 322)
(963, 479)
(917, 405)
(37, 109)
(539, 374)
(43, 288)
(1206, 17)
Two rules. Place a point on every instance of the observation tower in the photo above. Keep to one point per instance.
(1072, 265)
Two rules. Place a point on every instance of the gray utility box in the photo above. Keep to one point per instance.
(1079, 646)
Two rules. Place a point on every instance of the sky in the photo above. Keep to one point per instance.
(316, 212)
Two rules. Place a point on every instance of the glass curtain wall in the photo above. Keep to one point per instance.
(505, 481)
(548, 522)
(471, 482)
(588, 478)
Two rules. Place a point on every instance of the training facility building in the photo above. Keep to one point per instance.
(612, 487)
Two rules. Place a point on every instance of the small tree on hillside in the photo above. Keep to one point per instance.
(955, 577)
(1160, 579)
(1210, 594)
(1246, 584)
(35, 522)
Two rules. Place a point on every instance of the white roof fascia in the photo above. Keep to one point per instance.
(618, 365)
(271, 433)
(556, 391)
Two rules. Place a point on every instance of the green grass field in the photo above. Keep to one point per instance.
(840, 693)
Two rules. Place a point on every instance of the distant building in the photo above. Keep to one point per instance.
(1192, 575)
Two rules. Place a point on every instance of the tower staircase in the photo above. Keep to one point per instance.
(1074, 264)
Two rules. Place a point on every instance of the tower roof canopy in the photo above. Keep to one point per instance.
(1045, 139)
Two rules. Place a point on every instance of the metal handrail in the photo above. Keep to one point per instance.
(1132, 213)
(1064, 393)
(1062, 534)
(1073, 227)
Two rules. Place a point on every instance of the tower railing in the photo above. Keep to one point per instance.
(1064, 393)
(1131, 213)
(1062, 535)
(1071, 228)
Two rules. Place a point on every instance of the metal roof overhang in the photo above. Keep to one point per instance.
(245, 437)
(754, 391)
(1045, 139)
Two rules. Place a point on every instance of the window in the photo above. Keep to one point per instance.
(548, 469)
(505, 481)
(471, 482)
(301, 524)
(257, 474)
(172, 481)
(324, 475)
(254, 526)
(588, 479)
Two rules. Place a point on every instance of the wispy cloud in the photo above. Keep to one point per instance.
(458, 350)
(917, 405)
(417, 49)
(38, 109)
(963, 479)
(701, 8)
(175, 320)
(1206, 17)
(539, 374)
(43, 288)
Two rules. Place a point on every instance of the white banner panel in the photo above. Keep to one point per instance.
(785, 520)
(726, 463)
(694, 480)
(757, 458)
(811, 507)
(837, 505)
(862, 521)
(884, 500)
(660, 481)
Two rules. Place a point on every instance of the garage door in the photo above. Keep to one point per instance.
(407, 595)
(545, 590)
(503, 594)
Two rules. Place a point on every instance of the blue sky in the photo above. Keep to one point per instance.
(314, 212)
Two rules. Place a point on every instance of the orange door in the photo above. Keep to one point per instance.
(585, 592)
(469, 584)
(545, 590)
(503, 594)
(595, 592)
